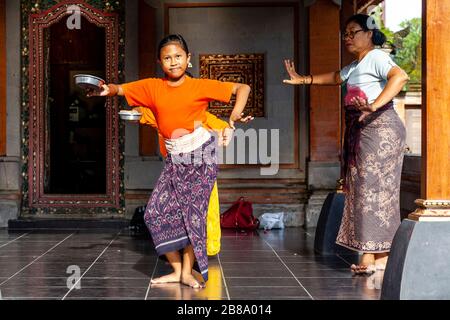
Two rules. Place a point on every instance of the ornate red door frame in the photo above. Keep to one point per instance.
(35, 19)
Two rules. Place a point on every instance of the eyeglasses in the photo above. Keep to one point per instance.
(350, 34)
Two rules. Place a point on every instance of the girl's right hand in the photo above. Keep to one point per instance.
(106, 91)
(97, 92)
(109, 90)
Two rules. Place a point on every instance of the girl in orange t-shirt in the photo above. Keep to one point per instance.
(176, 211)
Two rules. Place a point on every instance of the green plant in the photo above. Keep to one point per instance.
(409, 49)
(406, 46)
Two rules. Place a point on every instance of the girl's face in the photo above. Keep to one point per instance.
(357, 40)
(174, 61)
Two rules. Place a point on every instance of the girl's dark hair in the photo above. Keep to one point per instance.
(171, 38)
(367, 23)
(174, 38)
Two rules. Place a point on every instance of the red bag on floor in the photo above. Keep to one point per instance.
(239, 216)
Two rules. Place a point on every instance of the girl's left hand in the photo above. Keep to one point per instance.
(240, 118)
(225, 137)
(363, 106)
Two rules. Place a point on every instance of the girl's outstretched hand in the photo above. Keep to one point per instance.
(96, 92)
(105, 91)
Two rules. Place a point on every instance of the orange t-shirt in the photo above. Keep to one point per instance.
(148, 118)
(176, 109)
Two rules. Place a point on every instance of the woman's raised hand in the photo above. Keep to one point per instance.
(295, 77)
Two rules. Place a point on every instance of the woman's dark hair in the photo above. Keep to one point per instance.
(171, 38)
(367, 23)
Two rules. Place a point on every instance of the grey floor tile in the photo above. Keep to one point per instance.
(109, 293)
(261, 282)
(33, 292)
(321, 260)
(114, 283)
(257, 273)
(273, 265)
(362, 286)
(37, 282)
(176, 291)
(127, 273)
(301, 270)
(251, 256)
(250, 293)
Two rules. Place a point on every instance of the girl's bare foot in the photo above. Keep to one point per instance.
(197, 275)
(170, 278)
(189, 280)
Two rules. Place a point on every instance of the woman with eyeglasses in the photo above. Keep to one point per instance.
(374, 142)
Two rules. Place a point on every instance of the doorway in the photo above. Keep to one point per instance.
(76, 125)
(72, 144)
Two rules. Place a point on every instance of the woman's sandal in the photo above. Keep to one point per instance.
(363, 269)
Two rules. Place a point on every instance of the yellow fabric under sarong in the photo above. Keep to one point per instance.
(213, 232)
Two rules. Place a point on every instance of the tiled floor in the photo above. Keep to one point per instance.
(87, 264)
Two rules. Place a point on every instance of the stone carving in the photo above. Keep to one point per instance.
(242, 68)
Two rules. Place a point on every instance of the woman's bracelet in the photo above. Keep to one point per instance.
(304, 81)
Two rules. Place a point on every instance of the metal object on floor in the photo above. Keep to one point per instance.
(328, 226)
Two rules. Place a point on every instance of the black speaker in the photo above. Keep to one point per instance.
(328, 226)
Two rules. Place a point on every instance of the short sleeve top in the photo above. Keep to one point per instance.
(368, 77)
(177, 109)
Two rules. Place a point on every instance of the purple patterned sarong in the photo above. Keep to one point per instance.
(176, 211)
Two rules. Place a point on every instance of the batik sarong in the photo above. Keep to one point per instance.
(176, 211)
(374, 150)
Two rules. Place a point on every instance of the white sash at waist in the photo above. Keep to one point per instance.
(188, 142)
